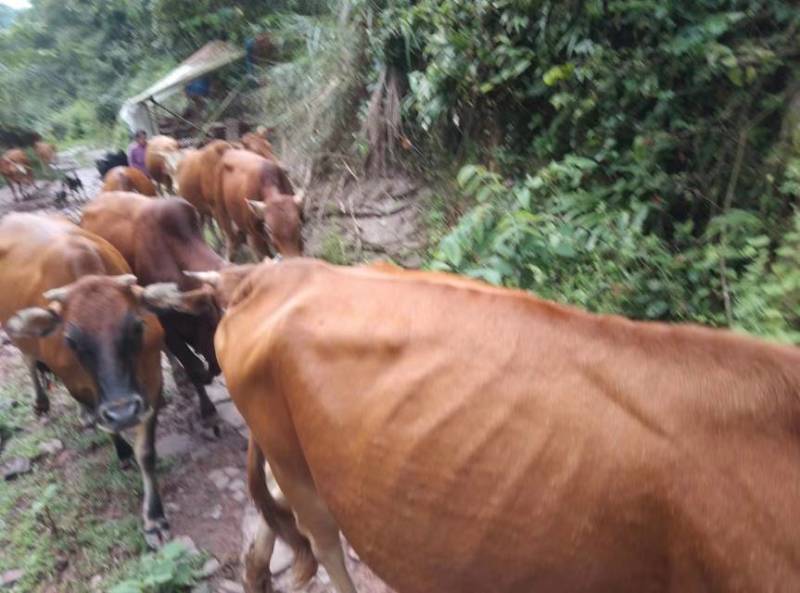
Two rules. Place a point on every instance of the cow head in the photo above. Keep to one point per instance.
(218, 288)
(281, 218)
(194, 320)
(101, 320)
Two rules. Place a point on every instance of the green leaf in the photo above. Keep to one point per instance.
(126, 587)
(558, 73)
(467, 173)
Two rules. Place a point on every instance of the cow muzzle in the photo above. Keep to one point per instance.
(121, 413)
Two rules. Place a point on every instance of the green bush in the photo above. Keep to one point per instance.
(642, 152)
(549, 235)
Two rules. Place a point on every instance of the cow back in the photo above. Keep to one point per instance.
(112, 216)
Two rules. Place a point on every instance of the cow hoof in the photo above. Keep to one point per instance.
(210, 433)
(41, 409)
(157, 534)
(87, 418)
(126, 464)
(210, 424)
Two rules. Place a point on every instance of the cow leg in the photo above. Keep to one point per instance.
(256, 559)
(87, 417)
(316, 522)
(199, 376)
(259, 247)
(230, 235)
(232, 244)
(214, 230)
(156, 526)
(13, 190)
(123, 449)
(41, 404)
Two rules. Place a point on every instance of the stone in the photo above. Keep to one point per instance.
(16, 467)
(173, 445)
(202, 588)
(173, 507)
(216, 512)
(188, 543)
(233, 472)
(95, 582)
(282, 557)
(50, 447)
(217, 393)
(228, 412)
(238, 495)
(9, 577)
(219, 477)
(228, 586)
(199, 453)
(235, 485)
(211, 566)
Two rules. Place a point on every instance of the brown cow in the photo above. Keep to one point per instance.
(69, 302)
(259, 145)
(129, 179)
(15, 167)
(45, 152)
(160, 239)
(480, 439)
(156, 163)
(196, 178)
(271, 224)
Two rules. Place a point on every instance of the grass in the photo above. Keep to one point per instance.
(70, 520)
(334, 249)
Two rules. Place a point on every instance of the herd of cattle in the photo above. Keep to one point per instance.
(464, 438)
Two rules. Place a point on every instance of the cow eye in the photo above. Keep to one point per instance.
(137, 329)
(71, 342)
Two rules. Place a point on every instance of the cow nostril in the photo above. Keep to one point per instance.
(122, 412)
(107, 415)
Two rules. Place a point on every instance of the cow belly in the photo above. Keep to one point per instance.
(485, 491)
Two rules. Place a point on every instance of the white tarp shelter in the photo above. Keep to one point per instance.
(212, 56)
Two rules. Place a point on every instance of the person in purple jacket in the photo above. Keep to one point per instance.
(136, 151)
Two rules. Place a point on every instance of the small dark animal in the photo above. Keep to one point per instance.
(111, 160)
(72, 184)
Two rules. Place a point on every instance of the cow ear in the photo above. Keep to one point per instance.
(34, 322)
(165, 297)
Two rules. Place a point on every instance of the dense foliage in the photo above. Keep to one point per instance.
(643, 154)
(67, 65)
(638, 156)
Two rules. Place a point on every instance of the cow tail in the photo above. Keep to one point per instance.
(278, 517)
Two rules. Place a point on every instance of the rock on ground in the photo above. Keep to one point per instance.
(15, 467)
(9, 577)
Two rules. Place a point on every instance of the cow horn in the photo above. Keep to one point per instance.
(259, 209)
(124, 280)
(58, 295)
(162, 296)
(211, 278)
(298, 198)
